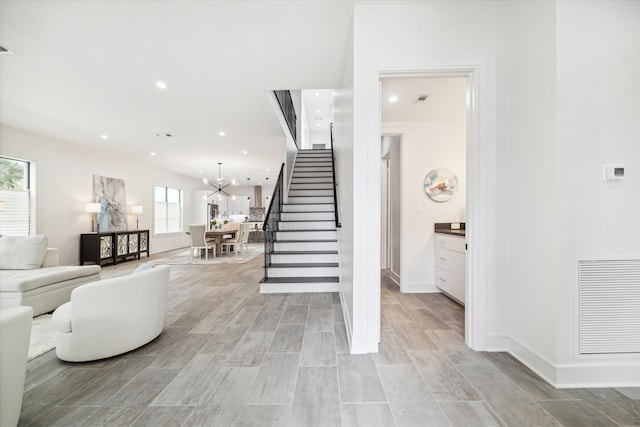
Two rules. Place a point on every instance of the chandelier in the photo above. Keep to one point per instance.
(219, 188)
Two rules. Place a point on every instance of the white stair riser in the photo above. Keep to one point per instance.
(307, 235)
(325, 207)
(311, 186)
(303, 258)
(314, 169)
(296, 193)
(316, 216)
(305, 246)
(308, 174)
(315, 163)
(322, 154)
(303, 271)
(307, 199)
(307, 225)
(290, 288)
(312, 180)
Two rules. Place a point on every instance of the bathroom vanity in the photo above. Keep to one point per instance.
(451, 259)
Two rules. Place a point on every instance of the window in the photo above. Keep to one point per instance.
(168, 210)
(15, 197)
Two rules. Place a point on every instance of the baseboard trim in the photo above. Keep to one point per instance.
(583, 374)
(420, 288)
(347, 320)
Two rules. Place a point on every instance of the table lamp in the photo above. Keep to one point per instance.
(137, 210)
(92, 208)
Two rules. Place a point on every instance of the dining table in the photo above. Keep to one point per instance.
(218, 234)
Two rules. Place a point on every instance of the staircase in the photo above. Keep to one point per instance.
(305, 250)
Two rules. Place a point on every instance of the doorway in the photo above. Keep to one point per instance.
(418, 213)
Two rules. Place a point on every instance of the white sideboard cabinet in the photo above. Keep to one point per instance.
(450, 265)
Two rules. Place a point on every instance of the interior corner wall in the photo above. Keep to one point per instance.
(533, 193)
(343, 150)
(65, 183)
(598, 122)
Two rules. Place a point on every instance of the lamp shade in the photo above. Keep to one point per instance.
(92, 207)
(137, 209)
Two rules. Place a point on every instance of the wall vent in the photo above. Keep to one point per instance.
(420, 99)
(609, 306)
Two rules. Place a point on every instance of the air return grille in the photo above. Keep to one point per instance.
(609, 306)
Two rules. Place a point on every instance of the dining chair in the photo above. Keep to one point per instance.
(198, 240)
(235, 241)
(245, 238)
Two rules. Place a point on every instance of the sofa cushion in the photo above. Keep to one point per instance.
(22, 252)
(26, 280)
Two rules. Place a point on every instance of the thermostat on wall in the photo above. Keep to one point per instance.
(612, 172)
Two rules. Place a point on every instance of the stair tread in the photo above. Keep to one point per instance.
(306, 229)
(309, 212)
(304, 252)
(330, 279)
(303, 265)
(306, 241)
(306, 220)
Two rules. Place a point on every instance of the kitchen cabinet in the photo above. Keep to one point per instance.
(450, 265)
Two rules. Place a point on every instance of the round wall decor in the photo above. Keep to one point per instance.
(440, 184)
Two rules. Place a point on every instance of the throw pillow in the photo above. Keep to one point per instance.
(22, 252)
(143, 267)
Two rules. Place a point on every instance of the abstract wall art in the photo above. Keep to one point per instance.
(440, 184)
(110, 193)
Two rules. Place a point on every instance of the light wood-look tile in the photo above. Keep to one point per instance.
(230, 356)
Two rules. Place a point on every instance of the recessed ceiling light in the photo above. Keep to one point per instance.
(153, 154)
(266, 170)
(393, 98)
(317, 93)
(161, 85)
(260, 183)
(319, 124)
(318, 110)
(200, 170)
(221, 133)
(245, 152)
(103, 136)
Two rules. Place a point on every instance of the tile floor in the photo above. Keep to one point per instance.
(232, 357)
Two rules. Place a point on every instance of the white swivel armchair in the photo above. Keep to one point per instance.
(15, 331)
(112, 316)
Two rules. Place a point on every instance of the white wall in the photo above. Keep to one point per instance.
(343, 146)
(533, 193)
(551, 109)
(65, 184)
(598, 121)
(423, 37)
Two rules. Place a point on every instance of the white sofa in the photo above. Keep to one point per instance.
(30, 274)
(15, 331)
(112, 316)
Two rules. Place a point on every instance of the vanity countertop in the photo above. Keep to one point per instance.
(445, 228)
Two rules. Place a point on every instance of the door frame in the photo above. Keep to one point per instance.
(477, 197)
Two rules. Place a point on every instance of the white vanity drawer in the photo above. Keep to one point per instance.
(450, 260)
(451, 283)
(453, 243)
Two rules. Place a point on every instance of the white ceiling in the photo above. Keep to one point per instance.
(443, 102)
(83, 69)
